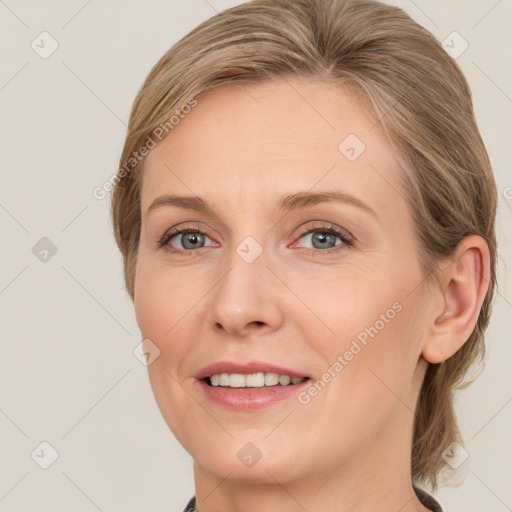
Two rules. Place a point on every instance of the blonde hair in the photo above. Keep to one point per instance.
(418, 96)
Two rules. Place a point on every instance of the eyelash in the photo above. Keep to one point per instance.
(347, 240)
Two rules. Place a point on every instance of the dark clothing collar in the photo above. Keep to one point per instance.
(425, 498)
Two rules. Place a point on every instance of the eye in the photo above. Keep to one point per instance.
(184, 240)
(325, 239)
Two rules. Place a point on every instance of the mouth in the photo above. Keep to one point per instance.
(249, 385)
(257, 380)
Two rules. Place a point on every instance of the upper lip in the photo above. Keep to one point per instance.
(246, 369)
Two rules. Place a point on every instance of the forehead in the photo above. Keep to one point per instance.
(271, 139)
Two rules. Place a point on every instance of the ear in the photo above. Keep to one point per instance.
(464, 283)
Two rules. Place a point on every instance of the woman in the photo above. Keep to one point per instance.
(305, 209)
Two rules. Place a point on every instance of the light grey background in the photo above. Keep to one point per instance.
(68, 375)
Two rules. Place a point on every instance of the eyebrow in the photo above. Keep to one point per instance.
(289, 202)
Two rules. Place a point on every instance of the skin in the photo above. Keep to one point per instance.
(241, 149)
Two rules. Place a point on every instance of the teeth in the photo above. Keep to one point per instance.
(271, 379)
(236, 380)
(253, 380)
(284, 380)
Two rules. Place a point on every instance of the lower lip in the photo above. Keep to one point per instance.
(250, 399)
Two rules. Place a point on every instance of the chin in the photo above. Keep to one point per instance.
(265, 471)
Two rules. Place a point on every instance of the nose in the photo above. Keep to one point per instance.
(246, 299)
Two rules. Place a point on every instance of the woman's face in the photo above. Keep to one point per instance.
(300, 254)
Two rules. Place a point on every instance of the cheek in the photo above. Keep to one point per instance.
(356, 305)
(374, 341)
(161, 299)
(371, 383)
(388, 347)
(161, 308)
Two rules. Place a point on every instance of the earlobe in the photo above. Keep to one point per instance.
(464, 284)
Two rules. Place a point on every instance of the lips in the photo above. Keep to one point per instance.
(248, 398)
(246, 369)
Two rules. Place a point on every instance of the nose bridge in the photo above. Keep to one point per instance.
(244, 296)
